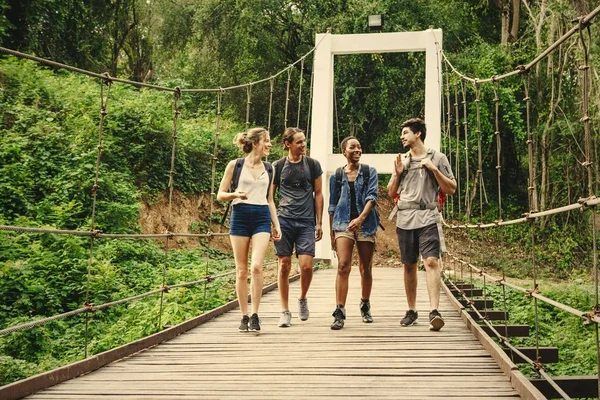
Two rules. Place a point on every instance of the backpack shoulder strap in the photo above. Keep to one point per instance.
(312, 166)
(237, 170)
(278, 168)
(338, 182)
(269, 169)
(366, 173)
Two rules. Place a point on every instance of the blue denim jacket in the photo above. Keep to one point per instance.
(341, 209)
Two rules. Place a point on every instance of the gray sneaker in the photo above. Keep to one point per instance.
(303, 309)
(285, 320)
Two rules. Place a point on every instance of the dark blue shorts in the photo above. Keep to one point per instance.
(249, 219)
(296, 232)
(424, 240)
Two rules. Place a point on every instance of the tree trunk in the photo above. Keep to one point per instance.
(516, 13)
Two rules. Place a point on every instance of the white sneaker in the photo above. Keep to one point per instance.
(303, 309)
(285, 320)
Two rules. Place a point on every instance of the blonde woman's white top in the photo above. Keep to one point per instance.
(255, 188)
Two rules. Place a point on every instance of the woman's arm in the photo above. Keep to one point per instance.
(370, 200)
(276, 229)
(223, 194)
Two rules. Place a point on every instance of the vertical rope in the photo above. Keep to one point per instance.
(535, 289)
(444, 137)
(457, 167)
(176, 112)
(450, 211)
(287, 96)
(533, 206)
(597, 285)
(337, 121)
(308, 117)
(467, 177)
(300, 92)
(248, 104)
(498, 146)
(103, 112)
(479, 156)
(213, 195)
(271, 90)
(585, 68)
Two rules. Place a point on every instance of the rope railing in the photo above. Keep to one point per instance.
(582, 205)
(91, 307)
(106, 77)
(100, 234)
(536, 365)
(589, 316)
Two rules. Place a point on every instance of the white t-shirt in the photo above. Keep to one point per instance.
(255, 188)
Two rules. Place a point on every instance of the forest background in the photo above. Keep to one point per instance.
(49, 137)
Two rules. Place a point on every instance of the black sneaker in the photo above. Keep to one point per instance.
(410, 318)
(365, 311)
(254, 325)
(436, 322)
(339, 316)
(244, 324)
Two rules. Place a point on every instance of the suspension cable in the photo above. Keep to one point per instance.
(176, 112)
(466, 148)
(457, 168)
(287, 98)
(248, 104)
(300, 93)
(271, 90)
(103, 111)
(496, 87)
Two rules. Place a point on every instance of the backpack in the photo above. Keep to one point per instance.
(312, 165)
(237, 171)
(441, 197)
(366, 172)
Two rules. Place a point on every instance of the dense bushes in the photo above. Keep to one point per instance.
(48, 143)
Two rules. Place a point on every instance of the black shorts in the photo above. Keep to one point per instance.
(424, 240)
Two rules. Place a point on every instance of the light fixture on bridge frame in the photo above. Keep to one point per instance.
(375, 22)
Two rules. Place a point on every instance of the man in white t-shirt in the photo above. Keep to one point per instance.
(418, 177)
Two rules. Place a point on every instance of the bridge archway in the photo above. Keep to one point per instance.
(328, 45)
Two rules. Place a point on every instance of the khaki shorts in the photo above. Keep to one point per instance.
(357, 236)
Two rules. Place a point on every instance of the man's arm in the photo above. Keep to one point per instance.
(319, 203)
(447, 185)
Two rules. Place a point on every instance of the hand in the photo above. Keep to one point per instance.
(318, 233)
(355, 224)
(426, 163)
(276, 233)
(398, 165)
(240, 194)
(332, 234)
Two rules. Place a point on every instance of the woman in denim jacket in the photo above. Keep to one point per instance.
(353, 219)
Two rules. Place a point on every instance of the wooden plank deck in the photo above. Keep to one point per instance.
(308, 360)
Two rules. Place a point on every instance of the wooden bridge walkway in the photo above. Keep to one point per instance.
(308, 360)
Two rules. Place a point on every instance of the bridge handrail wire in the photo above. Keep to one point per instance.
(92, 308)
(588, 316)
(506, 342)
(106, 77)
(582, 205)
(583, 21)
(99, 234)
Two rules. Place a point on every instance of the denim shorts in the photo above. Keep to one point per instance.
(296, 232)
(412, 241)
(249, 219)
(357, 236)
